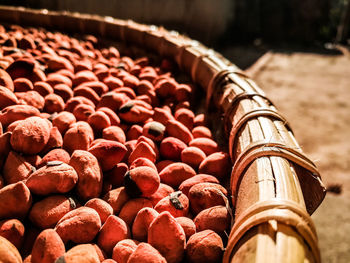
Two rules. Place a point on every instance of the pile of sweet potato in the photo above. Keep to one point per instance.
(102, 157)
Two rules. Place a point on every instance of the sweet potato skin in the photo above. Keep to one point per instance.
(204, 246)
(48, 247)
(168, 237)
(80, 225)
(16, 200)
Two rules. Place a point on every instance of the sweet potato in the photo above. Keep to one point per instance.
(32, 98)
(87, 92)
(54, 177)
(55, 140)
(142, 161)
(176, 203)
(134, 132)
(16, 168)
(75, 101)
(127, 91)
(168, 237)
(132, 112)
(142, 222)
(116, 198)
(102, 208)
(183, 92)
(7, 98)
(204, 246)
(205, 195)
(64, 91)
(114, 133)
(84, 253)
(130, 81)
(63, 120)
(108, 153)
(171, 148)
(131, 208)
(166, 87)
(56, 63)
(31, 135)
(113, 117)
(144, 86)
(161, 115)
(8, 252)
(141, 181)
(112, 231)
(142, 149)
(101, 73)
(185, 116)
(147, 254)
(13, 231)
(154, 130)
(83, 111)
(123, 249)
(193, 156)
(208, 146)
(55, 155)
(216, 218)
(48, 247)
(112, 100)
(149, 75)
(16, 200)
(97, 86)
(113, 82)
(200, 120)
(43, 88)
(13, 113)
(188, 226)
(197, 179)
(201, 132)
(53, 103)
(48, 211)
(78, 137)
(26, 42)
(162, 191)
(150, 143)
(22, 85)
(84, 76)
(217, 164)
(80, 225)
(176, 129)
(5, 80)
(89, 173)
(174, 174)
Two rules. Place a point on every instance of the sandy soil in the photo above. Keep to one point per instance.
(313, 92)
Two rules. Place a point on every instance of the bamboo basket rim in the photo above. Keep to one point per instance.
(221, 79)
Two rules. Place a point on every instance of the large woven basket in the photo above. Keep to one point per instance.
(274, 186)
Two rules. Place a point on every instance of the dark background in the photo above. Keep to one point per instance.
(217, 22)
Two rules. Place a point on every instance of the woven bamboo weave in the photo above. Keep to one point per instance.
(274, 186)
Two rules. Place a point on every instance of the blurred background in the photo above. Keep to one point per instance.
(297, 51)
(217, 20)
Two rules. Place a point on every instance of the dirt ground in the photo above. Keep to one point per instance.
(312, 90)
